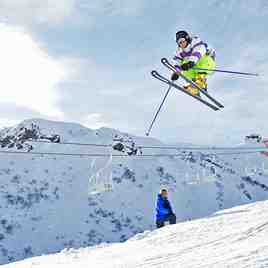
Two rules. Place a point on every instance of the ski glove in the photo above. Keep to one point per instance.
(188, 65)
(174, 77)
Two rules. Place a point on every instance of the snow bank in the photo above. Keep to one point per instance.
(230, 238)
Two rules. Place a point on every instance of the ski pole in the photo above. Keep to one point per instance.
(224, 71)
(158, 111)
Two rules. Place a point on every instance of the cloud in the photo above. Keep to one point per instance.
(29, 76)
(95, 121)
(111, 7)
(27, 12)
(7, 122)
(55, 13)
(102, 95)
(17, 112)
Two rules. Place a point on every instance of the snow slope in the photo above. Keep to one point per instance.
(230, 238)
(44, 201)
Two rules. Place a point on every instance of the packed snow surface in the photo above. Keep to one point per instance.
(234, 237)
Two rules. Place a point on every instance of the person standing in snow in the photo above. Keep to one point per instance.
(191, 53)
(163, 210)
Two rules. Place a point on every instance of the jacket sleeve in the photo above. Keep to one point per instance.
(177, 60)
(161, 207)
(167, 206)
(199, 50)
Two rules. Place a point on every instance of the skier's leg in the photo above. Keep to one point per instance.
(160, 223)
(172, 219)
(193, 90)
(201, 80)
(206, 62)
(191, 74)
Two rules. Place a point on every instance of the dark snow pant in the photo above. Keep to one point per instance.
(170, 218)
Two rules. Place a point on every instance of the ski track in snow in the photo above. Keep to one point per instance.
(230, 238)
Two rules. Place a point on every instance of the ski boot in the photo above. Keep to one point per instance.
(192, 90)
(201, 81)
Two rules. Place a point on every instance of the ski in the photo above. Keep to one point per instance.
(167, 64)
(156, 75)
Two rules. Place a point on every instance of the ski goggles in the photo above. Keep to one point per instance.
(180, 40)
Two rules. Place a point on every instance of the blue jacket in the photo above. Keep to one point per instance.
(163, 208)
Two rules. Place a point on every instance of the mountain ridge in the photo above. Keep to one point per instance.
(50, 193)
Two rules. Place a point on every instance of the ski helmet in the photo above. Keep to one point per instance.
(180, 35)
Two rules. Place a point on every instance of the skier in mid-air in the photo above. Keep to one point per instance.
(192, 53)
(194, 61)
(164, 211)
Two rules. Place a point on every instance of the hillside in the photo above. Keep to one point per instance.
(229, 238)
(47, 196)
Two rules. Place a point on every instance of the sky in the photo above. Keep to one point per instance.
(89, 61)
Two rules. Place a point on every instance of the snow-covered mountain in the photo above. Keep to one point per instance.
(45, 201)
(229, 238)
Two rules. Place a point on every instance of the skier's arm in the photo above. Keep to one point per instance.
(177, 60)
(168, 206)
(197, 53)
